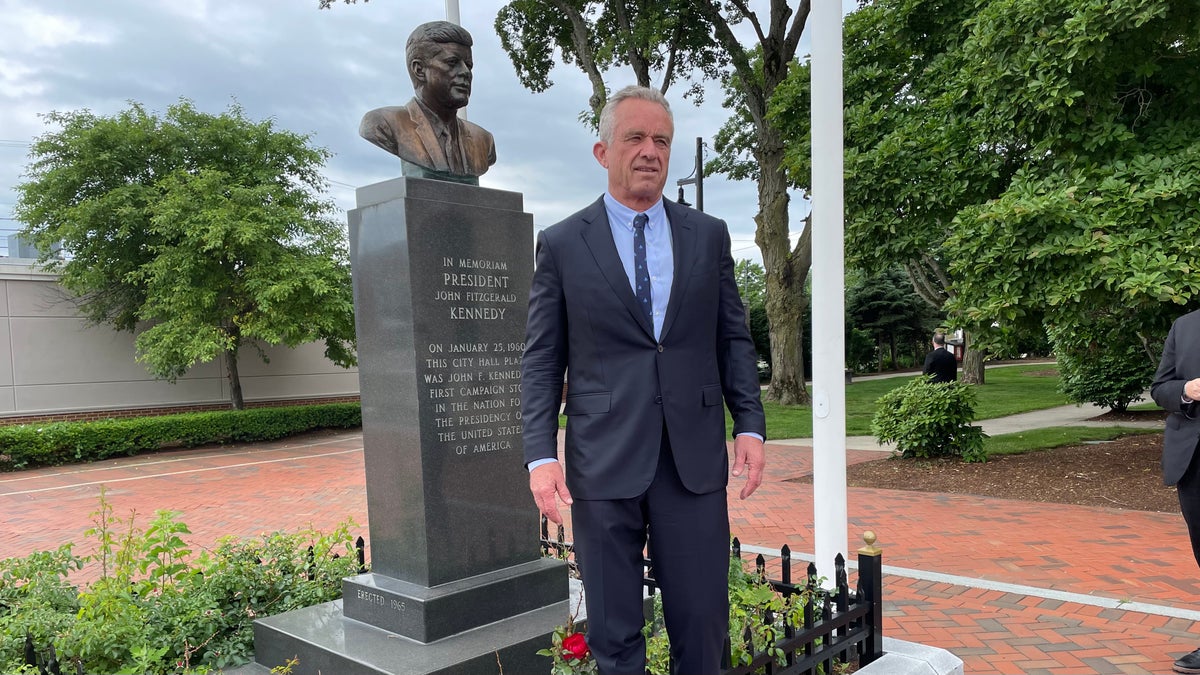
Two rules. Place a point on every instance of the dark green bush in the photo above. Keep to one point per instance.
(29, 445)
(930, 420)
(1104, 363)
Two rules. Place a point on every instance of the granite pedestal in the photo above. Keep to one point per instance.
(457, 584)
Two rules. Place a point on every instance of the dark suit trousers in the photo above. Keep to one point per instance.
(1189, 501)
(689, 548)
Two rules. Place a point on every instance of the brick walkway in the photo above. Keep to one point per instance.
(1010, 587)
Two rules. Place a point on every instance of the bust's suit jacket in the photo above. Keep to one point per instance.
(405, 131)
(623, 384)
(1180, 363)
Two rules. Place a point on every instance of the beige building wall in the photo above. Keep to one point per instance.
(51, 360)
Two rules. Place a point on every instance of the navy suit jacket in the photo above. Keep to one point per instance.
(1180, 363)
(623, 384)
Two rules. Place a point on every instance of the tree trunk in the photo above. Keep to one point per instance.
(235, 382)
(786, 272)
(972, 363)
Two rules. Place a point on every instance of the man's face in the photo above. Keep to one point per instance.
(446, 77)
(639, 153)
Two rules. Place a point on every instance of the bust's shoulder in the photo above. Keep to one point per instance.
(388, 114)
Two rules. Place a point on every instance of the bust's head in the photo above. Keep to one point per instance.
(439, 63)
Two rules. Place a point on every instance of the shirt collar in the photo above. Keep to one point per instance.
(623, 215)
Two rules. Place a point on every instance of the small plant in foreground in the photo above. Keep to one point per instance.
(155, 607)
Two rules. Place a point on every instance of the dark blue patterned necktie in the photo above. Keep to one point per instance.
(641, 273)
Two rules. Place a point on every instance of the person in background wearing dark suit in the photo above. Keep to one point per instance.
(940, 364)
(427, 134)
(1176, 389)
(634, 296)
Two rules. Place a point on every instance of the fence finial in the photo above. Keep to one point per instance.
(870, 548)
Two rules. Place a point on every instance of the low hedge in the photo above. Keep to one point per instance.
(29, 445)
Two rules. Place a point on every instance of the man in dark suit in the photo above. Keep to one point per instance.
(940, 364)
(1176, 389)
(427, 135)
(634, 296)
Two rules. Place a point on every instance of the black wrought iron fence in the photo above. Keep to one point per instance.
(820, 627)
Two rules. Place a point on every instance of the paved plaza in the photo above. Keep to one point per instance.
(1008, 586)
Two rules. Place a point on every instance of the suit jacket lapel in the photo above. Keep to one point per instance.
(683, 247)
(428, 139)
(597, 235)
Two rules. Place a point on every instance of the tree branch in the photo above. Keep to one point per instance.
(799, 21)
(640, 65)
(586, 56)
(922, 286)
(941, 275)
(751, 17)
(669, 71)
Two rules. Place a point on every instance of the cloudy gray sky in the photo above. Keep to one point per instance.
(317, 72)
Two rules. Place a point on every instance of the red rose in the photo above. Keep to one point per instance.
(575, 646)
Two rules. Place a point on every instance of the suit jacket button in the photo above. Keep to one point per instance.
(658, 400)
(660, 348)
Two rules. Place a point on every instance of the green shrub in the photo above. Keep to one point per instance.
(155, 607)
(1104, 363)
(930, 420)
(29, 445)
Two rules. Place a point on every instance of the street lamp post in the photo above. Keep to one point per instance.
(698, 179)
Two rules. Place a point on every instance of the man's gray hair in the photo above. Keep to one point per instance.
(939, 339)
(632, 91)
(427, 39)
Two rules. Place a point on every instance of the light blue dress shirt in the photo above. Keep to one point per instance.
(659, 261)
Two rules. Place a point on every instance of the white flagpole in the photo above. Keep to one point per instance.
(453, 17)
(828, 281)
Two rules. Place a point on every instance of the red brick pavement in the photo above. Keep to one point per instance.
(317, 481)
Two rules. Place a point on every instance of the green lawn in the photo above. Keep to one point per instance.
(1053, 437)
(1009, 390)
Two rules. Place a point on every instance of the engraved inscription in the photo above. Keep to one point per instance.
(373, 598)
(474, 388)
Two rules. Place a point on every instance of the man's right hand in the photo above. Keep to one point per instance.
(1191, 389)
(547, 483)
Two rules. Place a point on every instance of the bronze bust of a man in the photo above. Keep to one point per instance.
(426, 134)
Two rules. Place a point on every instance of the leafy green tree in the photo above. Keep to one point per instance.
(1027, 162)
(668, 37)
(200, 233)
(1096, 229)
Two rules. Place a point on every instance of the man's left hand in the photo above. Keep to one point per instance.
(749, 456)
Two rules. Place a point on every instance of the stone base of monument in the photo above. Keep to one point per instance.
(430, 614)
(322, 640)
(441, 273)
